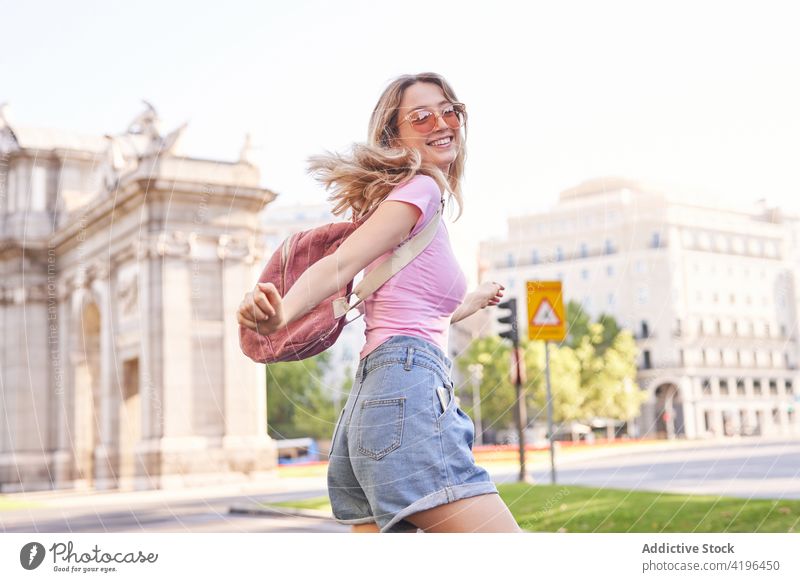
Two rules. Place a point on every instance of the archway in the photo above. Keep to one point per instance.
(669, 411)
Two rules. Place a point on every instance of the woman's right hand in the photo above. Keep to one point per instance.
(261, 310)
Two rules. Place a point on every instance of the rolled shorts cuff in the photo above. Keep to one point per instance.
(355, 520)
(442, 496)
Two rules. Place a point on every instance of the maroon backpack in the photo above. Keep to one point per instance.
(319, 329)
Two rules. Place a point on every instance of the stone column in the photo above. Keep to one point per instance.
(246, 442)
(688, 399)
(63, 458)
(104, 472)
(26, 388)
(175, 353)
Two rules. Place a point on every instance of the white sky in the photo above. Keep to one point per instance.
(703, 95)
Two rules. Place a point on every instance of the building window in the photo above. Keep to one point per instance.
(645, 330)
(641, 294)
(723, 387)
(610, 270)
(773, 388)
(584, 250)
(740, 387)
(535, 257)
(510, 259)
(647, 362)
(771, 249)
(789, 388)
(611, 299)
(609, 247)
(706, 387)
(38, 188)
(757, 387)
(559, 254)
(655, 240)
(584, 274)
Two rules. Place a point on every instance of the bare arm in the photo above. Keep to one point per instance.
(391, 222)
(469, 306)
(264, 311)
(488, 293)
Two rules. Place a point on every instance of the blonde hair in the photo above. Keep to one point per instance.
(365, 177)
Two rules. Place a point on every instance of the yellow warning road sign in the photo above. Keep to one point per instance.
(546, 319)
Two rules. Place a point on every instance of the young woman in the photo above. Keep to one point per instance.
(401, 452)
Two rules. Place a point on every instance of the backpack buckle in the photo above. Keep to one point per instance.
(341, 306)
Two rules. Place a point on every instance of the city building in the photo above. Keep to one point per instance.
(122, 265)
(709, 292)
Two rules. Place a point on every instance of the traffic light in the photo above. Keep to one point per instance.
(512, 334)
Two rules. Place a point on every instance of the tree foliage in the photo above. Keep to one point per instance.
(297, 403)
(592, 373)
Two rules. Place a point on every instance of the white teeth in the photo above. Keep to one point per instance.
(443, 141)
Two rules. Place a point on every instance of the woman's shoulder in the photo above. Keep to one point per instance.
(422, 181)
(419, 185)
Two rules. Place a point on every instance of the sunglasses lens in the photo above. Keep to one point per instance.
(453, 117)
(423, 120)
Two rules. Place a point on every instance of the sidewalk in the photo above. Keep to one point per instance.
(297, 487)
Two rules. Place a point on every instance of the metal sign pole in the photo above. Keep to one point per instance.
(549, 412)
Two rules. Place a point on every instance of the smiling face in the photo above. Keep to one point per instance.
(430, 95)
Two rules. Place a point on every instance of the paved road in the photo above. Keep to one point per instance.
(744, 468)
(145, 513)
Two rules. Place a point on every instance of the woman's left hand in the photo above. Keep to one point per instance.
(489, 293)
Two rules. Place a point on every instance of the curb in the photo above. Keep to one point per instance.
(279, 510)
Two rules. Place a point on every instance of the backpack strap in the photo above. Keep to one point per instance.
(401, 256)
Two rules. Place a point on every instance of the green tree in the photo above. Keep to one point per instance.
(569, 401)
(608, 374)
(592, 373)
(578, 322)
(497, 393)
(297, 403)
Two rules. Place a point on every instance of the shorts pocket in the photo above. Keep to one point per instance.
(381, 426)
(443, 411)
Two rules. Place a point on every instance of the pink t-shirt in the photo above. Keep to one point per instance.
(421, 298)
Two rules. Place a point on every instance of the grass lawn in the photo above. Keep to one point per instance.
(7, 504)
(577, 509)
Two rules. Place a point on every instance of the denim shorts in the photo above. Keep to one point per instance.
(394, 450)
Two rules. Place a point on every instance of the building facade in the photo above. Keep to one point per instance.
(122, 264)
(709, 292)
